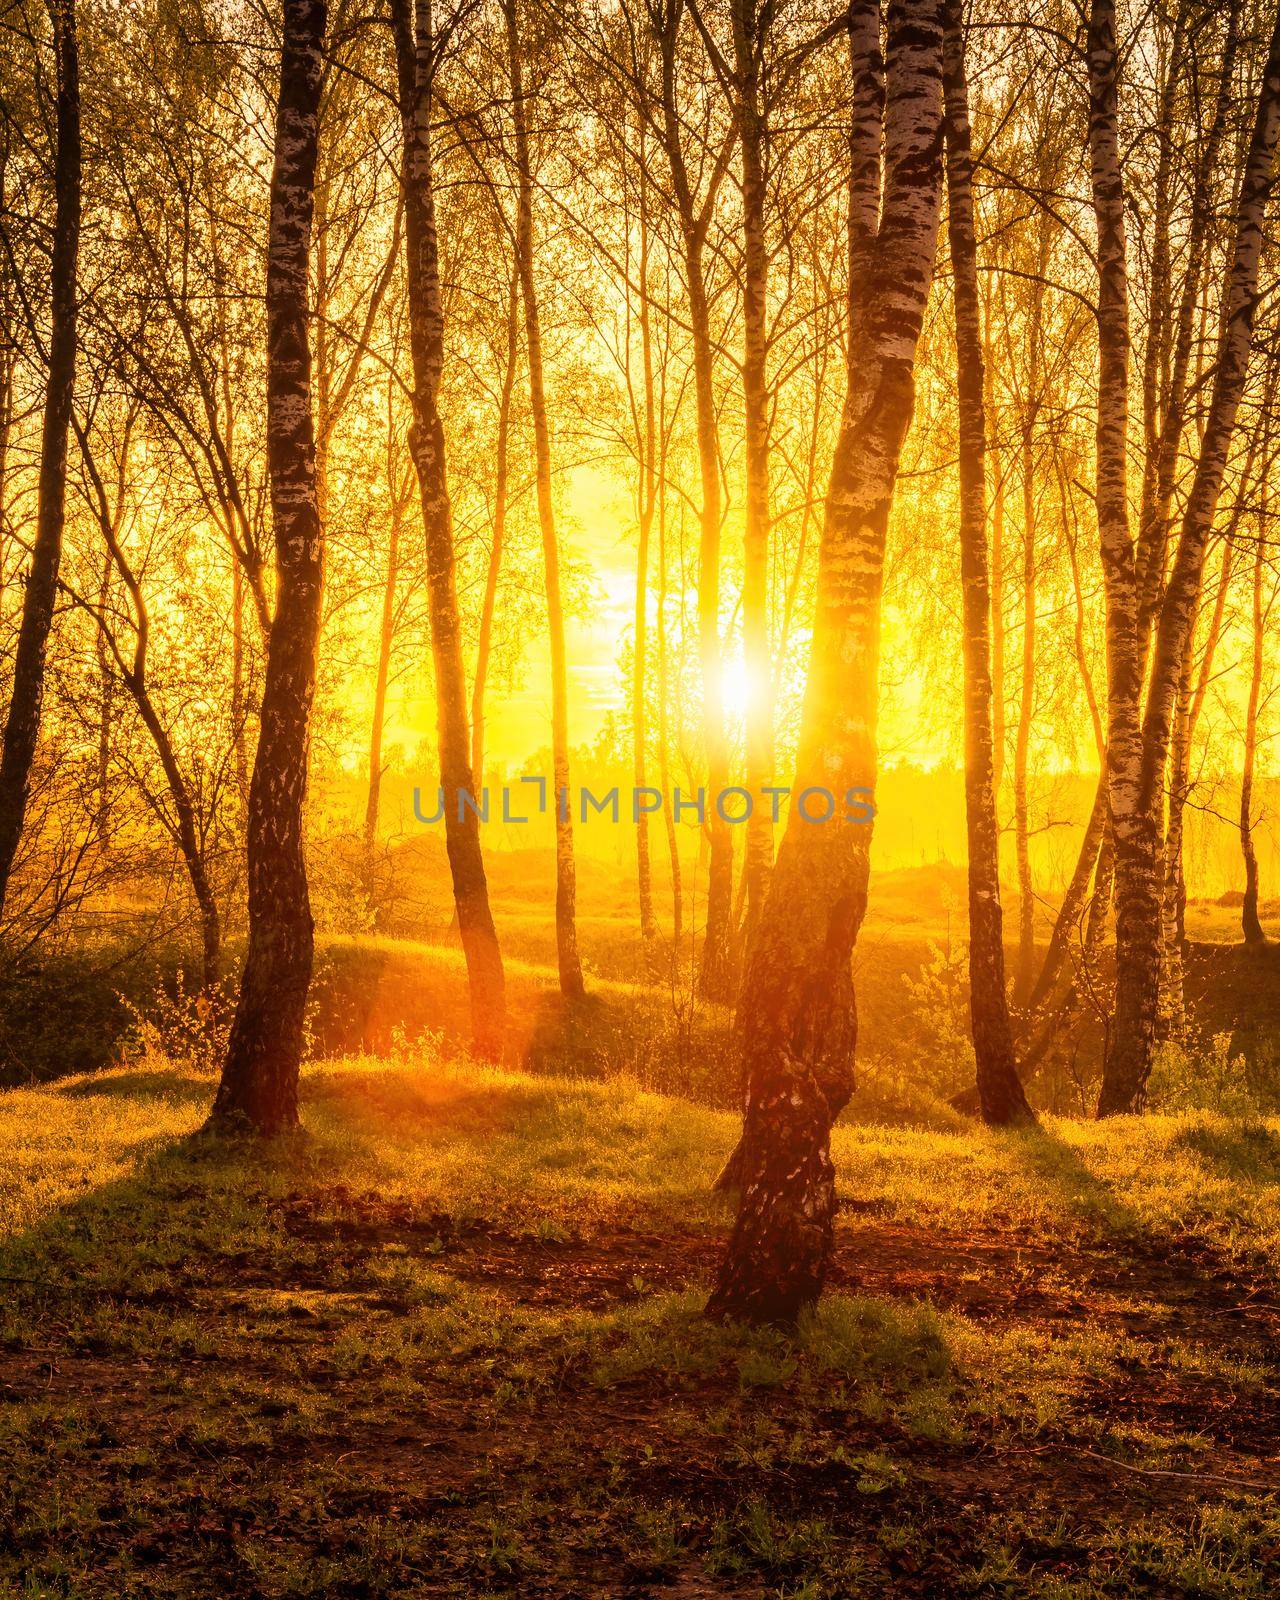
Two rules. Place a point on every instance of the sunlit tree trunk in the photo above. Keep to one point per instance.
(106, 688)
(498, 536)
(568, 959)
(416, 48)
(1137, 890)
(997, 575)
(1139, 796)
(717, 970)
(1000, 1091)
(386, 639)
(646, 499)
(238, 708)
(750, 21)
(1250, 925)
(1190, 700)
(1027, 695)
(260, 1075)
(22, 725)
(797, 1019)
(664, 736)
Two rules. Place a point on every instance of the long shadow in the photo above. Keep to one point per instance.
(1248, 1152)
(1061, 1165)
(1197, 1261)
(140, 1084)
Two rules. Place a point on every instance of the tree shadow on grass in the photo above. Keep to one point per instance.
(1173, 1259)
(141, 1083)
(1063, 1170)
(1246, 1152)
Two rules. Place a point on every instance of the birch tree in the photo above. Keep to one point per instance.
(797, 1019)
(999, 1089)
(259, 1084)
(418, 50)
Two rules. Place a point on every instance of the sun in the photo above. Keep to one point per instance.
(737, 686)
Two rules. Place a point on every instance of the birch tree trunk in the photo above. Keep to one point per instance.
(415, 59)
(1000, 1091)
(259, 1084)
(750, 21)
(1137, 889)
(1138, 843)
(797, 1018)
(22, 724)
(568, 959)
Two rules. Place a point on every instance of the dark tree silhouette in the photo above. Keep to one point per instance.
(22, 726)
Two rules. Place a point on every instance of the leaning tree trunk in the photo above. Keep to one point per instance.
(22, 726)
(382, 674)
(501, 475)
(260, 1075)
(1000, 1091)
(567, 957)
(1138, 847)
(797, 1017)
(415, 59)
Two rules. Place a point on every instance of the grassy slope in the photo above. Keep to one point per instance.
(449, 1343)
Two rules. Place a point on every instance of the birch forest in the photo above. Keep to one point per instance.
(639, 818)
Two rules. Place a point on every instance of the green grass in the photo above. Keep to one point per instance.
(450, 1342)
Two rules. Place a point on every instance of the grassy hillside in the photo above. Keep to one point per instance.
(449, 1343)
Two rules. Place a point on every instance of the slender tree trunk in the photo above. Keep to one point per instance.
(1026, 704)
(646, 497)
(568, 959)
(386, 637)
(1181, 791)
(797, 1019)
(1139, 796)
(1170, 1009)
(749, 24)
(1137, 890)
(997, 580)
(238, 710)
(106, 719)
(664, 738)
(484, 644)
(22, 725)
(415, 58)
(1000, 1091)
(260, 1075)
(716, 976)
(186, 831)
(1250, 925)
(1026, 708)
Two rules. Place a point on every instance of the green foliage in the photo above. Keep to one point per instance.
(1190, 1074)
